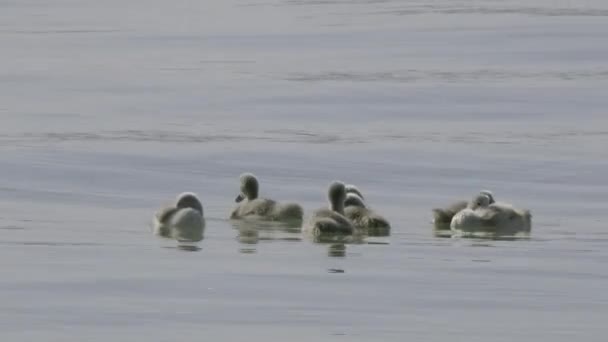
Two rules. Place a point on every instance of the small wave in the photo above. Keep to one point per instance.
(51, 243)
(284, 136)
(309, 137)
(393, 7)
(12, 228)
(61, 31)
(411, 76)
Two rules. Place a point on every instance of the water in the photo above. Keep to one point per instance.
(110, 108)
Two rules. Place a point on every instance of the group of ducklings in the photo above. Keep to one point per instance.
(347, 214)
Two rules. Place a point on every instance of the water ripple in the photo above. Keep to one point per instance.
(411, 76)
(392, 7)
(309, 137)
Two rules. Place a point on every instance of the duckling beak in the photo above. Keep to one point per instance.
(239, 198)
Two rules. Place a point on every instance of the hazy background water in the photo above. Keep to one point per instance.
(110, 108)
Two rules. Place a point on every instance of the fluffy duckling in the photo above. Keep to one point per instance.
(331, 220)
(183, 221)
(250, 206)
(484, 215)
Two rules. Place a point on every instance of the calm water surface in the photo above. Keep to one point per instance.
(110, 108)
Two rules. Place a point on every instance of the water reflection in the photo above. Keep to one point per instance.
(442, 233)
(249, 236)
(182, 235)
(337, 250)
(336, 238)
(267, 226)
(187, 239)
(379, 231)
(441, 227)
(482, 236)
(188, 247)
(251, 232)
(337, 242)
(383, 243)
(495, 236)
(183, 246)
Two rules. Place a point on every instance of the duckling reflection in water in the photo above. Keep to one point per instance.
(337, 250)
(183, 221)
(250, 206)
(363, 217)
(248, 235)
(253, 231)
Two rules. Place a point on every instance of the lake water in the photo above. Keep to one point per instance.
(111, 108)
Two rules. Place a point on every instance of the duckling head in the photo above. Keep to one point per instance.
(480, 200)
(353, 199)
(189, 200)
(353, 189)
(249, 187)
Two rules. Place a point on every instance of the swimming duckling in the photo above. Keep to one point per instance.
(183, 221)
(498, 218)
(332, 220)
(250, 206)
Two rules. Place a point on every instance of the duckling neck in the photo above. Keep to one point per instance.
(337, 206)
